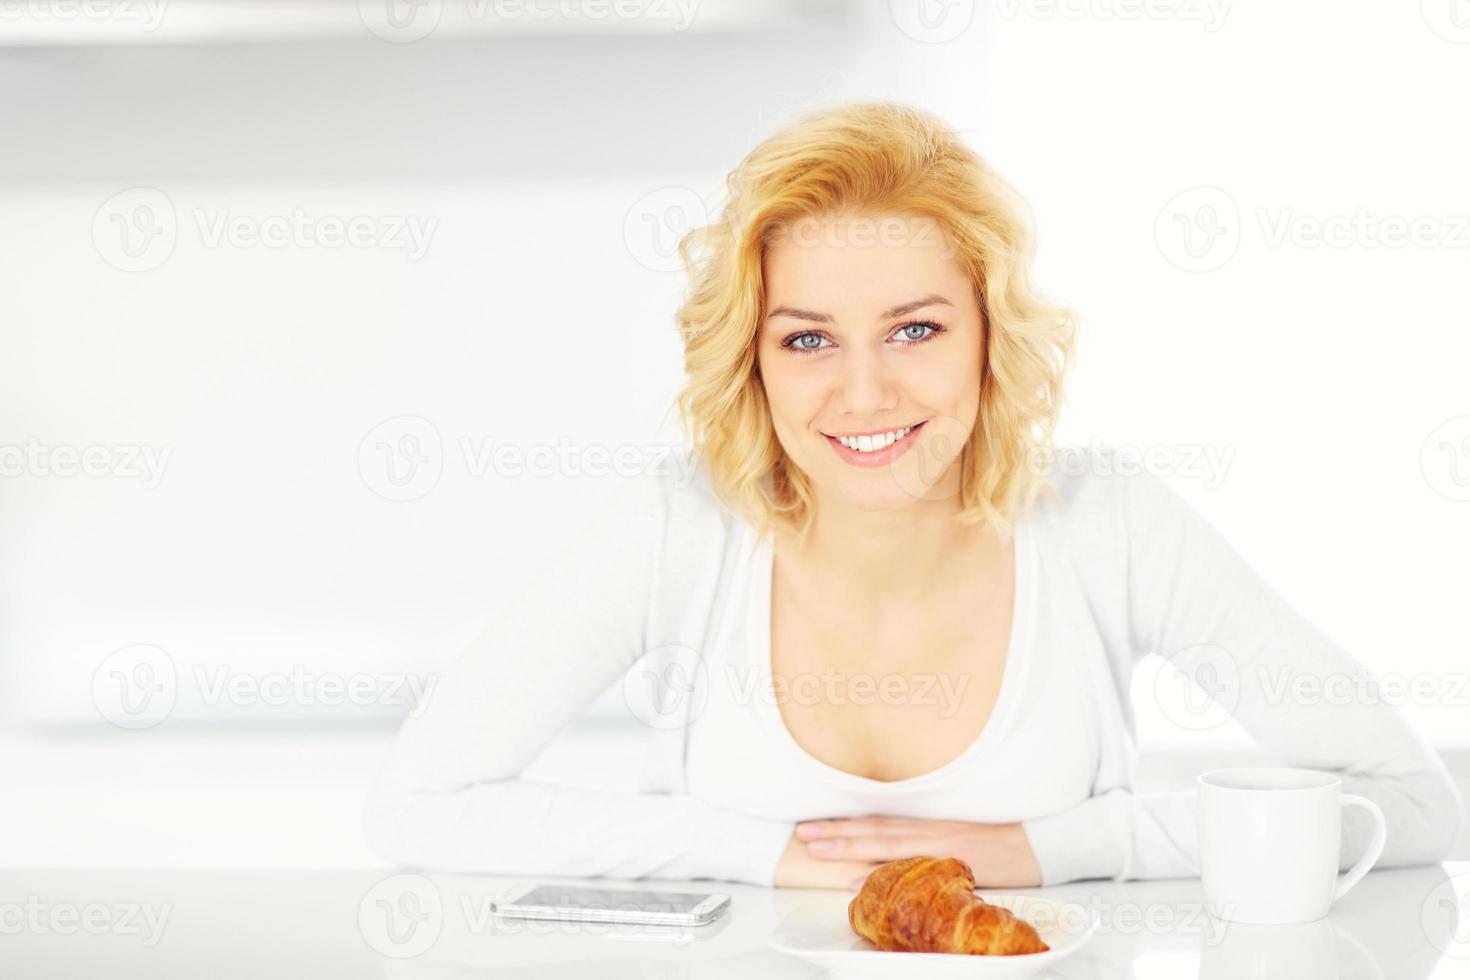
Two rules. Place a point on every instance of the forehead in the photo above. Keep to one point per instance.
(860, 262)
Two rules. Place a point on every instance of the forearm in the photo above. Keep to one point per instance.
(519, 826)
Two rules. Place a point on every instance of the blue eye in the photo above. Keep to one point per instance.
(907, 335)
(932, 329)
(798, 342)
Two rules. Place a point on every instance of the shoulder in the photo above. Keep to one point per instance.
(1115, 498)
(1081, 485)
(673, 500)
(1099, 491)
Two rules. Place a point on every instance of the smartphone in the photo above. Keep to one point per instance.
(612, 905)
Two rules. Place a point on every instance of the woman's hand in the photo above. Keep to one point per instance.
(799, 868)
(998, 853)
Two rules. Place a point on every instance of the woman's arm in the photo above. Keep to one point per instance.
(1192, 598)
(450, 797)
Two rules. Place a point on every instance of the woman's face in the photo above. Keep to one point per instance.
(871, 327)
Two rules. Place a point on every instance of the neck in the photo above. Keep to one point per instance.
(904, 552)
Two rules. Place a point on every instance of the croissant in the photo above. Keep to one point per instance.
(928, 905)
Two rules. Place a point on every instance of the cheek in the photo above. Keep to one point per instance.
(946, 381)
(792, 393)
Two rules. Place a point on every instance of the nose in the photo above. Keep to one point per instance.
(864, 388)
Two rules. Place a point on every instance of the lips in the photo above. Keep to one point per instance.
(852, 452)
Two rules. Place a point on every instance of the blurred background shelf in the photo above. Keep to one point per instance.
(165, 22)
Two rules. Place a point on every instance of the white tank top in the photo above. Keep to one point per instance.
(1036, 755)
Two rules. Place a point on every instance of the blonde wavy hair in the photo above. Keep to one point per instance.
(870, 158)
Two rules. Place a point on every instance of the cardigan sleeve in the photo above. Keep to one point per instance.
(1192, 599)
(450, 796)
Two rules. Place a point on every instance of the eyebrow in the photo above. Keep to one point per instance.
(899, 310)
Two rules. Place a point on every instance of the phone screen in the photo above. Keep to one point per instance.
(564, 897)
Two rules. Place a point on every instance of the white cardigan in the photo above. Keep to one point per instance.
(1130, 569)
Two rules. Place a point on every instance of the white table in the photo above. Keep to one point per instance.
(282, 924)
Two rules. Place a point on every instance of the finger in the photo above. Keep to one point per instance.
(869, 848)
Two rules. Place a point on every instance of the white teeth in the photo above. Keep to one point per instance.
(868, 444)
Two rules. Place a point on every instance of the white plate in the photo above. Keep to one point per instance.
(818, 932)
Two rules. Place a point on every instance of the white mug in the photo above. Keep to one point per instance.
(1269, 843)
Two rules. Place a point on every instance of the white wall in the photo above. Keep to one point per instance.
(546, 169)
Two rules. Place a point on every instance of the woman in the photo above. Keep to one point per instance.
(885, 619)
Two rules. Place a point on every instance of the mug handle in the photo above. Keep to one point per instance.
(1375, 846)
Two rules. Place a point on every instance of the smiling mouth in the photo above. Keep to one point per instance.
(876, 442)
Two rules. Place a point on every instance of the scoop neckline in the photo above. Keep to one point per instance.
(1013, 675)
